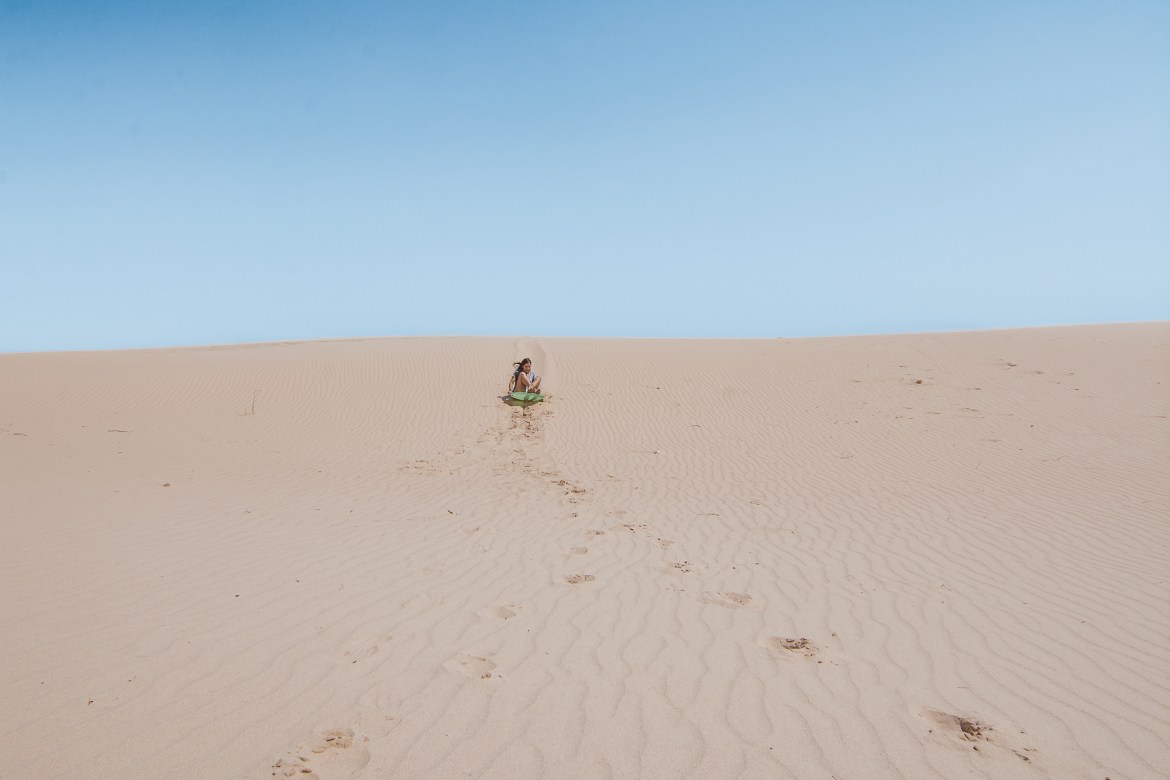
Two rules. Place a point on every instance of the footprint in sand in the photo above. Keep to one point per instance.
(361, 654)
(334, 739)
(569, 487)
(578, 579)
(594, 532)
(784, 644)
(728, 599)
(680, 567)
(577, 551)
(963, 730)
(796, 646)
(500, 612)
(424, 601)
(473, 666)
(335, 752)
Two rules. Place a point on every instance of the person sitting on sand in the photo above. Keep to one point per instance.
(524, 379)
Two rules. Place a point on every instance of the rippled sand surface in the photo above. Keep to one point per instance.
(919, 556)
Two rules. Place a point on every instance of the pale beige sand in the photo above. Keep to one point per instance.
(708, 559)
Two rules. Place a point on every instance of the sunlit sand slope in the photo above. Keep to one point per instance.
(912, 556)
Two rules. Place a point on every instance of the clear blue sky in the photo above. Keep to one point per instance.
(210, 172)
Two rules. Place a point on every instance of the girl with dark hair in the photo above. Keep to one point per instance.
(524, 379)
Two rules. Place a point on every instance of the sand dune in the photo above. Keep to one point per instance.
(909, 556)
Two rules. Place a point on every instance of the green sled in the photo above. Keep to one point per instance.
(521, 396)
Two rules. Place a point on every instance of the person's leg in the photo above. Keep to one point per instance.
(535, 386)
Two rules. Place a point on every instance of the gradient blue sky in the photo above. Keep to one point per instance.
(194, 173)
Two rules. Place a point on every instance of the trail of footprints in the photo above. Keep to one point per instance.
(508, 449)
(331, 745)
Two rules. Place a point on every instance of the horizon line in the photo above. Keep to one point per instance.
(345, 339)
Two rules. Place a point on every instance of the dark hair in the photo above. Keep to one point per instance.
(520, 365)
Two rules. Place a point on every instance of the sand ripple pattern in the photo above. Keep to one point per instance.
(895, 557)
